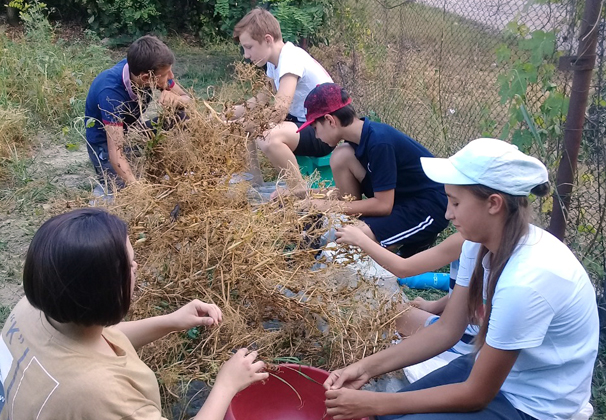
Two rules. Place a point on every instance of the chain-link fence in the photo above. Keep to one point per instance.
(449, 71)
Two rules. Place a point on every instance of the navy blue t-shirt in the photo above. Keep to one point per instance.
(112, 101)
(393, 161)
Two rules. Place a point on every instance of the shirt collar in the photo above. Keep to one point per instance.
(361, 147)
(127, 82)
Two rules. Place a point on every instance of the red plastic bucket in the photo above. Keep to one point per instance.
(294, 398)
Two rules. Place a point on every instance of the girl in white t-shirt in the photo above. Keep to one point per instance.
(531, 297)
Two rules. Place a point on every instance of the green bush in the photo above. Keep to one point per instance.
(48, 78)
(210, 20)
(132, 17)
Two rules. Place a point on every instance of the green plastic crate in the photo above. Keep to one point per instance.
(308, 165)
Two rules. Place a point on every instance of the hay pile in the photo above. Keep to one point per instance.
(197, 236)
(12, 130)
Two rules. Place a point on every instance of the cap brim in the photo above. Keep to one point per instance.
(305, 124)
(444, 172)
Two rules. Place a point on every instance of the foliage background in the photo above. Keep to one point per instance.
(210, 20)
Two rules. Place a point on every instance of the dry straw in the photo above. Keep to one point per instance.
(198, 237)
(12, 130)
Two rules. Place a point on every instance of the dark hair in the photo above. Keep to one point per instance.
(258, 23)
(515, 228)
(77, 268)
(347, 114)
(148, 54)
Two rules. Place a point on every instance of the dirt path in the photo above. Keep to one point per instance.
(52, 172)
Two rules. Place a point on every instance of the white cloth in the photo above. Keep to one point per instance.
(544, 305)
(415, 372)
(295, 60)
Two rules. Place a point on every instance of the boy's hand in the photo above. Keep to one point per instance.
(169, 99)
(240, 371)
(317, 204)
(351, 235)
(194, 314)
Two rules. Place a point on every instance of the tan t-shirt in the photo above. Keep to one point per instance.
(46, 375)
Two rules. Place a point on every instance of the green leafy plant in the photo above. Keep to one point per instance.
(20, 5)
(533, 69)
(212, 20)
(126, 17)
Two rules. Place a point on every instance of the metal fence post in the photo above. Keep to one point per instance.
(582, 64)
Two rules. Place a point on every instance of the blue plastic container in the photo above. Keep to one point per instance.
(427, 281)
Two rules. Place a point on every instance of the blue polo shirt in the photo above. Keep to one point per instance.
(112, 101)
(393, 161)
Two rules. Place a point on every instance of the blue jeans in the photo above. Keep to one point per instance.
(99, 155)
(458, 371)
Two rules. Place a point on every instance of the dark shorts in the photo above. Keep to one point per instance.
(455, 372)
(309, 144)
(413, 224)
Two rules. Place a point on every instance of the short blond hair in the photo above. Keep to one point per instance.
(258, 23)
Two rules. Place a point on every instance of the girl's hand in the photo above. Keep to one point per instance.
(194, 314)
(352, 377)
(349, 404)
(351, 235)
(425, 305)
(240, 371)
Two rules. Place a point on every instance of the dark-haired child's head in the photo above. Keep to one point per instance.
(150, 61)
(328, 109)
(257, 32)
(79, 268)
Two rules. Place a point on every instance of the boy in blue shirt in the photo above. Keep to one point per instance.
(117, 98)
(404, 208)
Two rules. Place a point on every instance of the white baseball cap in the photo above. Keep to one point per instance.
(490, 162)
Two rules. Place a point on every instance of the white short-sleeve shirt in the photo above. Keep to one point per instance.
(295, 60)
(544, 305)
(467, 263)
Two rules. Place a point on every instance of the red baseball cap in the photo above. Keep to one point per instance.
(323, 99)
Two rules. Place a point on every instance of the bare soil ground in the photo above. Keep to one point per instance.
(52, 172)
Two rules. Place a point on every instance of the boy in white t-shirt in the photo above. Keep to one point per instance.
(293, 74)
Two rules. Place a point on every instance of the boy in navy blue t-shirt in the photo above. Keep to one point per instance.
(403, 208)
(117, 98)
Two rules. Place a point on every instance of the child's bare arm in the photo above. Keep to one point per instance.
(283, 99)
(260, 99)
(379, 205)
(435, 307)
(193, 314)
(285, 95)
(236, 374)
(115, 148)
(438, 256)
